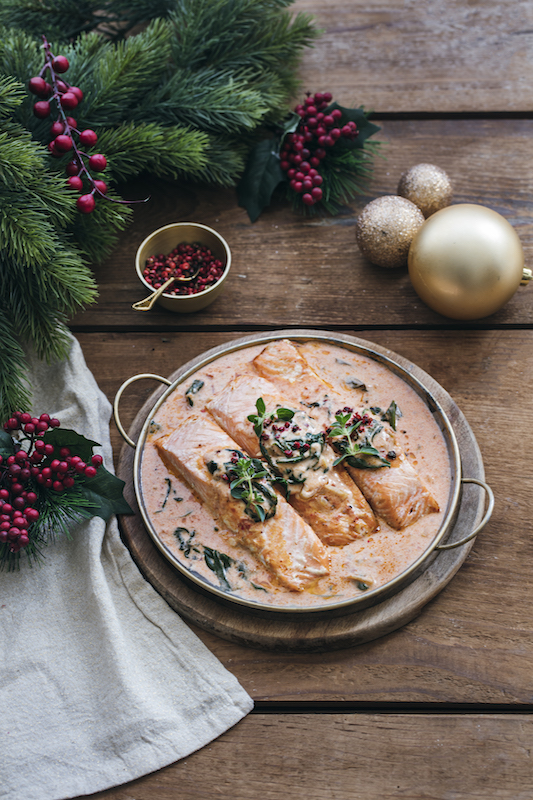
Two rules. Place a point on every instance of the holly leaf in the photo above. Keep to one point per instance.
(78, 444)
(290, 125)
(261, 176)
(7, 445)
(364, 126)
(104, 493)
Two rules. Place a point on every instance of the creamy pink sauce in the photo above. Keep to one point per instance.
(185, 528)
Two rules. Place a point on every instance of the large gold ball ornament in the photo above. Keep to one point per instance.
(466, 261)
(385, 230)
(427, 186)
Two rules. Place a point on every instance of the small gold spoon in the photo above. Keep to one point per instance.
(147, 303)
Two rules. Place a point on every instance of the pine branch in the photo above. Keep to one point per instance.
(66, 20)
(238, 34)
(12, 94)
(167, 152)
(208, 99)
(14, 392)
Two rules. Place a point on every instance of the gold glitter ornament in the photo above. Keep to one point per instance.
(385, 229)
(466, 262)
(427, 186)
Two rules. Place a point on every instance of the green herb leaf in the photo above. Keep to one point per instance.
(392, 415)
(355, 383)
(193, 389)
(218, 562)
(260, 178)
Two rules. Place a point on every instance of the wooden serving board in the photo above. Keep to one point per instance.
(321, 632)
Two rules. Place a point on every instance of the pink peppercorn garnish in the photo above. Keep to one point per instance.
(186, 259)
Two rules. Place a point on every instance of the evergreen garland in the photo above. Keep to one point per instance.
(180, 97)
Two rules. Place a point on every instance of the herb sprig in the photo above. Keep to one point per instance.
(246, 483)
(258, 420)
(345, 432)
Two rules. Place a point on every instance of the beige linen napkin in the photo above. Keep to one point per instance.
(100, 681)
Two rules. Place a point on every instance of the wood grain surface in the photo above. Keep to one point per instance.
(288, 271)
(450, 84)
(353, 757)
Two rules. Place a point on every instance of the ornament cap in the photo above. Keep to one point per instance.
(527, 275)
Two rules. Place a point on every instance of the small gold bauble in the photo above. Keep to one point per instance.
(385, 229)
(427, 186)
(466, 261)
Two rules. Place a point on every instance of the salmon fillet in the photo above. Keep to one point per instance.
(396, 493)
(200, 452)
(297, 452)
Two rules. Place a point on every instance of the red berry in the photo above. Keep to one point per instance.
(308, 200)
(68, 482)
(75, 182)
(72, 168)
(88, 138)
(54, 423)
(42, 109)
(98, 162)
(317, 180)
(80, 467)
(90, 472)
(57, 486)
(78, 92)
(69, 100)
(57, 127)
(97, 460)
(316, 193)
(72, 122)
(327, 97)
(38, 86)
(63, 143)
(64, 452)
(62, 87)
(85, 203)
(101, 186)
(29, 428)
(24, 540)
(60, 64)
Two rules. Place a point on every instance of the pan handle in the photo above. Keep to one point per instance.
(486, 516)
(118, 395)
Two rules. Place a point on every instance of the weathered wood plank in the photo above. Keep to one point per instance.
(352, 757)
(473, 643)
(442, 55)
(289, 271)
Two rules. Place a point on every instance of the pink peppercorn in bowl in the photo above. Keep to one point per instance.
(184, 248)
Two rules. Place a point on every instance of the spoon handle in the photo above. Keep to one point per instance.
(147, 303)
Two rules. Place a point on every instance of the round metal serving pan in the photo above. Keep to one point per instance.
(345, 606)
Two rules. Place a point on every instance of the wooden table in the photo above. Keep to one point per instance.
(443, 707)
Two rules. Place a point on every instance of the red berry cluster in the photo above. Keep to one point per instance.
(184, 260)
(64, 129)
(303, 150)
(37, 464)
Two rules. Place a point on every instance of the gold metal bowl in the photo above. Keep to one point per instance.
(164, 240)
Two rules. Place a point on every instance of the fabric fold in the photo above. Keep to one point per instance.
(101, 681)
